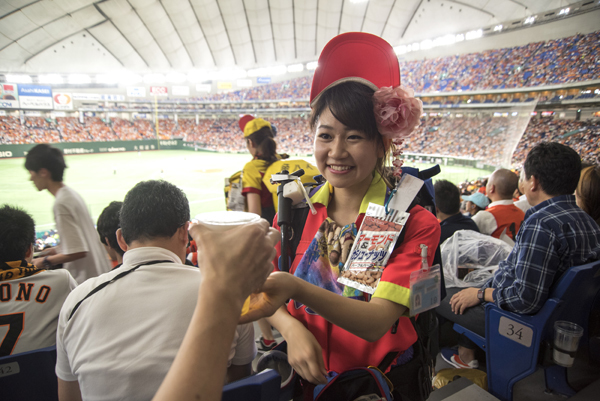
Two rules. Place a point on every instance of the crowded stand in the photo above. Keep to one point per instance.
(441, 136)
(559, 61)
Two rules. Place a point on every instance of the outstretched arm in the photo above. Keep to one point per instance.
(349, 314)
(198, 371)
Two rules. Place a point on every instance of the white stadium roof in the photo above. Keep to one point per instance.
(181, 35)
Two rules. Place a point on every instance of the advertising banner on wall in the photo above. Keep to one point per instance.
(35, 97)
(86, 96)
(263, 80)
(113, 98)
(159, 91)
(9, 96)
(62, 101)
(203, 87)
(181, 90)
(136, 91)
(224, 85)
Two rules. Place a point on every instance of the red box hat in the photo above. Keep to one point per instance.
(356, 56)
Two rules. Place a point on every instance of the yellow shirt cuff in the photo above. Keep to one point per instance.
(393, 292)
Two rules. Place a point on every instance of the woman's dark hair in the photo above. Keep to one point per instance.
(351, 103)
(588, 191)
(265, 145)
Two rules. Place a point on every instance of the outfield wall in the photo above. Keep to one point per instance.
(80, 148)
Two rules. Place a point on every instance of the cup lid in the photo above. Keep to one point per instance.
(227, 218)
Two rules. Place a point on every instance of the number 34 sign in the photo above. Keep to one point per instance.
(515, 331)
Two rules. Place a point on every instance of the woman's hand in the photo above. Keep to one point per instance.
(278, 288)
(305, 355)
(464, 299)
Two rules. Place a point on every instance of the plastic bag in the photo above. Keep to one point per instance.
(476, 252)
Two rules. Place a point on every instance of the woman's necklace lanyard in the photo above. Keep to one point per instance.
(117, 277)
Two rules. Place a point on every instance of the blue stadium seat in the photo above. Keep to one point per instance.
(29, 376)
(263, 386)
(513, 341)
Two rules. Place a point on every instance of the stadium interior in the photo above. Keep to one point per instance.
(100, 77)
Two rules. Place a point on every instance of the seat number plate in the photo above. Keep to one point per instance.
(9, 369)
(515, 331)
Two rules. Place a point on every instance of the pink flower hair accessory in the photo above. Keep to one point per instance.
(397, 111)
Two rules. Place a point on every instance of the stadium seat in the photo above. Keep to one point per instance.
(263, 386)
(516, 344)
(29, 376)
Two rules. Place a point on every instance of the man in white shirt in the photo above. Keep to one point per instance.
(79, 251)
(30, 297)
(119, 333)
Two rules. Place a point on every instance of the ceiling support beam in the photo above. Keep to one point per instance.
(272, 30)
(177, 32)
(460, 3)
(48, 23)
(16, 10)
(249, 31)
(212, 56)
(150, 32)
(294, 28)
(111, 53)
(226, 32)
(411, 19)
(362, 25)
(340, 21)
(53, 44)
(388, 18)
(316, 27)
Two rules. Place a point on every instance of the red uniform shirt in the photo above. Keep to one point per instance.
(341, 349)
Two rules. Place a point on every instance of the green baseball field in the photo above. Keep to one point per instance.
(102, 178)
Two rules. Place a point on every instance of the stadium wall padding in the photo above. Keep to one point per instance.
(80, 148)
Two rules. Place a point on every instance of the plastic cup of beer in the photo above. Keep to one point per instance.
(226, 220)
(566, 341)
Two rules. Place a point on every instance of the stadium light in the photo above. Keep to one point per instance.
(311, 66)
(108, 79)
(50, 79)
(415, 47)
(228, 74)
(474, 34)
(564, 11)
(402, 49)
(176, 77)
(79, 79)
(445, 40)
(129, 78)
(154, 78)
(267, 71)
(426, 44)
(18, 79)
(460, 37)
(498, 28)
(295, 68)
(530, 19)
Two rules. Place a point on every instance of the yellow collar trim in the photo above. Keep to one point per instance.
(375, 193)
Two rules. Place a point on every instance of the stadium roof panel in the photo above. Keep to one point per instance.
(165, 35)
